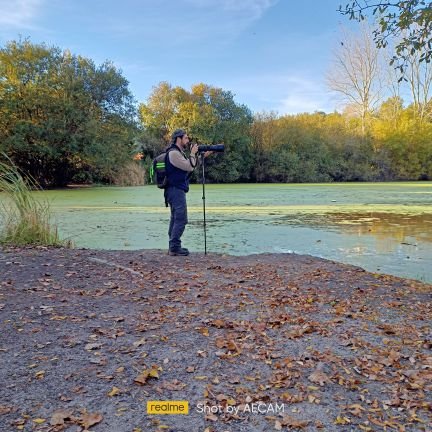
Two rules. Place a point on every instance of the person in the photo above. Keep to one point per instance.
(179, 168)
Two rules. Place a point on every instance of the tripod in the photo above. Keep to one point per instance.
(203, 198)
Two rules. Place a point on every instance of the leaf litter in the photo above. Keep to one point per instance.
(84, 346)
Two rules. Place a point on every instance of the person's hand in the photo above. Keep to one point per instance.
(194, 149)
(207, 153)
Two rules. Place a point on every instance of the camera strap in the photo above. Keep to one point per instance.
(193, 164)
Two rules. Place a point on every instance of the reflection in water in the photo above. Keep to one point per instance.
(395, 243)
(389, 229)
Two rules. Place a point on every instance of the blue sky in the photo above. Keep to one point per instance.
(271, 54)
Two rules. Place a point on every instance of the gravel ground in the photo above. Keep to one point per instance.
(254, 343)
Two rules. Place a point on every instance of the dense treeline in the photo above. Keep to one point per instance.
(63, 119)
(332, 147)
(393, 144)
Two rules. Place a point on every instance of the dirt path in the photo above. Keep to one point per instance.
(256, 343)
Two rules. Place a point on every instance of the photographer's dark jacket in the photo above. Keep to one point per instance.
(178, 168)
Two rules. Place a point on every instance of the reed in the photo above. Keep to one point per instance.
(25, 217)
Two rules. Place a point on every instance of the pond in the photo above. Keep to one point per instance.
(382, 227)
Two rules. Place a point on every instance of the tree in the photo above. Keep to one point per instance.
(409, 20)
(355, 73)
(263, 134)
(63, 118)
(419, 78)
(157, 114)
(210, 115)
(390, 111)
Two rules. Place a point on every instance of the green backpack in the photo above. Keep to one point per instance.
(158, 173)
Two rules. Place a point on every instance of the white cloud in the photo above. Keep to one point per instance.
(283, 93)
(299, 103)
(227, 18)
(18, 13)
(303, 95)
(252, 8)
(183, 23)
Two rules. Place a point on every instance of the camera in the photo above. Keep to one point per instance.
(218, 148)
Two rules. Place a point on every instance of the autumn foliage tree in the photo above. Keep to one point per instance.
(62, 117)
(210, 115)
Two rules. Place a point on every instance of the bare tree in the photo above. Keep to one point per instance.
(391, 75)
(419, 77)
(415, 83)
(356, 73)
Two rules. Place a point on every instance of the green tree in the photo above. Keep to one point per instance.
(63, 119)
(263, 136)
(210, 115)
(157, 114)
(409, 22)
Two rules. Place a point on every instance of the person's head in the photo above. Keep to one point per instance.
(180, 138)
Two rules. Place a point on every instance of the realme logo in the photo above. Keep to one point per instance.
(167, 407)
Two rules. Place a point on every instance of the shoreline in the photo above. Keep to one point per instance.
(276, 255)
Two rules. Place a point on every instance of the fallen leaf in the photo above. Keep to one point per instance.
(173, 385)
(139, 343)
(211, 416)
(313, 388)
(4, 409)
(291, 422)
(356, 409)
(58, 418)
(114, 391)
(145, 375)
(342, 420)
(219, 342)
(89, 419)
(319, 377)
(92, 346)
(218, 323)
(154, 373)
(38, 420)
(204, 331)
(40, 374)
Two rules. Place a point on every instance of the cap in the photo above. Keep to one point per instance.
(178, 133)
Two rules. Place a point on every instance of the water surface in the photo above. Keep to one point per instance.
(382, 227)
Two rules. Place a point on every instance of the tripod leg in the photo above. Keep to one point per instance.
(203, 197)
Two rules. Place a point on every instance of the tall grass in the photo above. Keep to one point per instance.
(24, 219)
(132, 174)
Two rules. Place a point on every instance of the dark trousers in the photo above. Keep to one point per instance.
(176, 198)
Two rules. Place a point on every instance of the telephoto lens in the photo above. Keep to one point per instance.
(218, 148)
